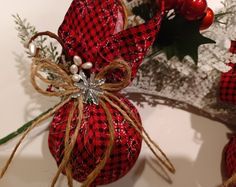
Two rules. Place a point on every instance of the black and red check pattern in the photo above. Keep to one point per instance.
(230, 157)
(93, 30)
(131, 44)
(92, 34)
(228, 81)
(87, 23)
(228, 86)
(93, 140)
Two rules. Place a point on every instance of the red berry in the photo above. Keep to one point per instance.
(193, 9)
(208, 19)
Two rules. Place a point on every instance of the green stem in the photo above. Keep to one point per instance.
(220, 15)
(21, 129)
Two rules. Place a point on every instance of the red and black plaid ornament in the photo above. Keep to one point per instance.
(93, 140)
(228, 81)
(93, 30)
(230, 157)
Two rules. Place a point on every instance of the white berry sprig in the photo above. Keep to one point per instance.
(78, 64)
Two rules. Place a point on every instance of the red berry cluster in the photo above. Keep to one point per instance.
(191, 10)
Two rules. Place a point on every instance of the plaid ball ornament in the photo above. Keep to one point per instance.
(93, 140)
(94, 31)
(228, 81)
(230, 157)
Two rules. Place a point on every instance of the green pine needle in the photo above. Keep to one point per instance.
(21, 129)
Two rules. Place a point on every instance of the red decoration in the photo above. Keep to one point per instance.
(208, 19)
(92, 35)
(89, 30)
(87, 23)
(230, 157)
(228, 81)
(228, 95)
(93, 140)
(193, 9)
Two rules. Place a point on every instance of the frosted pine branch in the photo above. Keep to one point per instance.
(52, 52)
(26, 31)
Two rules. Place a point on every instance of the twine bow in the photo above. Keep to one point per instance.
(66, 89)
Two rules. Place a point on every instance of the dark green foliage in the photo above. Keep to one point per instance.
(179, 37)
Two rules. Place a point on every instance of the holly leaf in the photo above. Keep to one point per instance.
(180, 37)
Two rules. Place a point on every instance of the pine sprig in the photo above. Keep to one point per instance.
(53, 53)
(26, 31)
(22, 129)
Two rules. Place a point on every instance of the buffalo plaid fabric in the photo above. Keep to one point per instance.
(89, 30)
(228, 86)
(93, 140)
(228, 81)
(87, 23)
(92, 29)
(131, 44)
(230, 157)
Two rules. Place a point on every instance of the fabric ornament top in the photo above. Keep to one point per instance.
(92, 30)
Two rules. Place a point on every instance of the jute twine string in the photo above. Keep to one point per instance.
(230, 182)
(92, 176)
(68, 168)
(139, 128)
(66, 88)
(35, 124)
(118, 64)
(69, 147)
